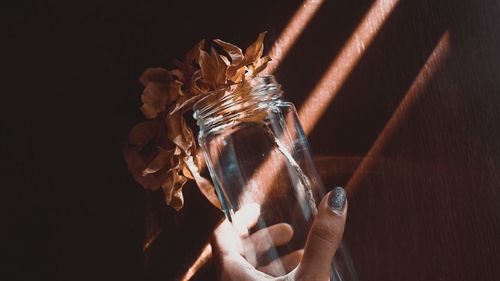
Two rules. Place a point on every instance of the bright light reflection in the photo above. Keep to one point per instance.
(338, 71)
(322, 95)
(291, 33)
(205, 255)
(433, 63)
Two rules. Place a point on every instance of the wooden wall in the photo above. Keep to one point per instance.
(424, 190)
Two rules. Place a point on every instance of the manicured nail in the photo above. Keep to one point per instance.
(336, 200)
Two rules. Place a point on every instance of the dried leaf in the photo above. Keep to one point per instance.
(197, 86)
(213, 69)
(235, 53)
(178, 75)
(177, 201)
(235, 74)
(260, 65)
(221, 69)
(172, 186)
(178, 131)
(155, 75)
(203, 184)
(255, 50)
(160, 161)
(136, 165)
(184, 103)
(155, 98)
(194, 53)
(175, 90)
(170, 93)
(144, 132)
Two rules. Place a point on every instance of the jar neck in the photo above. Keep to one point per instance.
(245, 101)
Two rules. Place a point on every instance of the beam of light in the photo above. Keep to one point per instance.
(338, 71)
(286, 39)
(336, 74)
(279, 50)
(433, 63)
(329, 84)
(291, 33)
(205, 255)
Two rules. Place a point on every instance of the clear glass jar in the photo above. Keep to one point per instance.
(256, 152)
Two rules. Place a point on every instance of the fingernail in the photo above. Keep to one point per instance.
(336, 200)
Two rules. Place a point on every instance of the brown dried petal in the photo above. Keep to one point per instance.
(221, 69)
(177, 201)
(235, 53)
(194, 53)
(155, 75)
(225, 60)
(177, 74)
(196, 86)
(208, 190)
(260, 65)
(155, 98)
(142, 133)
(160, 161)
(136, 165)
(185, 103)
(235, 74)
(175, 90)
(178, 131)
(203, 184)
(255, 50)
(213, 69)
(172, 187)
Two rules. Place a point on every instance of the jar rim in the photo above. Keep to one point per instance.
(264, 79)
(230, 103)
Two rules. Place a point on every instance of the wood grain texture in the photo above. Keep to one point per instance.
(426, 208)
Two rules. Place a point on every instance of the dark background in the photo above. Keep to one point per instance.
(425, 208)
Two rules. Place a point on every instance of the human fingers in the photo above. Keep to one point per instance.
(245, 218)
(283, 265)
(324, 237)
(228, 236)
(266, 238)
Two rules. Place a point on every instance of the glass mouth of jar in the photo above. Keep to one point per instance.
(238, 102)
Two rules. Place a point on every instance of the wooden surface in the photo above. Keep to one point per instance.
(424, 205)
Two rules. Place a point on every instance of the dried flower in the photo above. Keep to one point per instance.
(167, 95)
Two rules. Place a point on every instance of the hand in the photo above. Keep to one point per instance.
(230, 245)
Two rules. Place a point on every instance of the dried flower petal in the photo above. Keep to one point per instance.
(136, 165)
(213, 69)
(155, 97)
(194, 53)
(255, 50)
(177, 75)
(233, 51)
(161, 160)
(144, 132)
(170, 93)
(203, 184)
(155, 75)
(260, 65)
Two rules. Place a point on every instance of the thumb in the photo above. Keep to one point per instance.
(324, 237)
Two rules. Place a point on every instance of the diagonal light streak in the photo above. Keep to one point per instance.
(338, 71)
(280, 49)
(291, 33)
(330, 83)
(433, 63)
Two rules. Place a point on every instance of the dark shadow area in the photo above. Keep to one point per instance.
(427, 210)
(318, 46)
(380, 79)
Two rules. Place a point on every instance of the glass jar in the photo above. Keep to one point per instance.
(257, 153)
